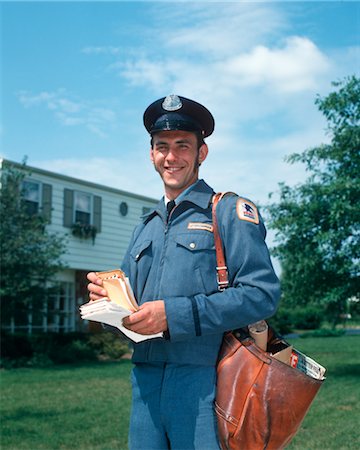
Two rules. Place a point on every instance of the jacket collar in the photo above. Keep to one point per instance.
(200, 195)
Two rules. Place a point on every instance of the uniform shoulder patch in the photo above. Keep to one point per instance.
(246, 210)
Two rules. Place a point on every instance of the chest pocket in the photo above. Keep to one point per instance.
(142, 249)
(141, 256)
(199, 241)
(195, 252)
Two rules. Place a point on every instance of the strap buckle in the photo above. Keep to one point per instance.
(224, 283)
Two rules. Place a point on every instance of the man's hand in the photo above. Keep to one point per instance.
(150, 319)
(95, 287)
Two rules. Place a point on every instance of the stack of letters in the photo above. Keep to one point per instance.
(120, 303)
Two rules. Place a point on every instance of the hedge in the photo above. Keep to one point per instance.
(21, 349)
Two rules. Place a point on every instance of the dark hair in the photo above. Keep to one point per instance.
(199, 138)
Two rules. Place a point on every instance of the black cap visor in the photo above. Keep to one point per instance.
(175, 121)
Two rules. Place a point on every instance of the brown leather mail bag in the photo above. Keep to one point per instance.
(260, 401)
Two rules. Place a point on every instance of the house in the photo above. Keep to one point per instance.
(97, 222)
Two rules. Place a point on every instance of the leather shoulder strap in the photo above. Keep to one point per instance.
(221, 267)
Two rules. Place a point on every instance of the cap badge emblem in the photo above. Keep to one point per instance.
(172, 103)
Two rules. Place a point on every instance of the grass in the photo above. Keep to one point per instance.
(66, 407)
(334, 417)
(87, 406)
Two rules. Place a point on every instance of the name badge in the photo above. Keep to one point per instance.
(200, 226)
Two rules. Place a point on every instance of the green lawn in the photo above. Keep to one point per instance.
(66, 407)
(87, 406)
(334, 417)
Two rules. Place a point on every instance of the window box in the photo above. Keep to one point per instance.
(84, 231)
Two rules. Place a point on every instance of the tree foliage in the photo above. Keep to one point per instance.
(30, 254)
(317, 223)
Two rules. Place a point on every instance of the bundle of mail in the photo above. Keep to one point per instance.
(286, 353)
(119, 303)
(307, 365)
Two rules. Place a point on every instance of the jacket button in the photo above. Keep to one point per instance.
(192, 245)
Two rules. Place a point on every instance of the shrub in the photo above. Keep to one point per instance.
(288, 319)
(308, 318)
(75, 351)
(282, 321)
(37, 360)
(41, 350)
(15, 346)
(109, 345)
(323, 332)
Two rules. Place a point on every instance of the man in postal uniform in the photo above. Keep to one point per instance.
(171, 264)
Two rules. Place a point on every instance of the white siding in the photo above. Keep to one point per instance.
(116, 230)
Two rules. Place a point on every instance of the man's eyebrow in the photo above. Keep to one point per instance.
(183, 141)
(178, 141)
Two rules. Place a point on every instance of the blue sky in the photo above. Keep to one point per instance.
(77, 76)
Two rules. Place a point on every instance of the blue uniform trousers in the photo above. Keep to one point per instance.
(173, 407)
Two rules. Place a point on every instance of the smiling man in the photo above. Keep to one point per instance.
(171, 264)
(177, 156)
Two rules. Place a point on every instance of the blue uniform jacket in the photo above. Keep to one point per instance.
(176, 262)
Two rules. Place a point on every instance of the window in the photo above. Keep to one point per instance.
(37, 197)
(82, 208)
(58, 312)
(60, 309)
(31, 195)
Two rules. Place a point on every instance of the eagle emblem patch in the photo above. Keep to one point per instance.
(246, 210)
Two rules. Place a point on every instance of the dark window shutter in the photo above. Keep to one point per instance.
(68, 207)
(46, 201)
(97, 212)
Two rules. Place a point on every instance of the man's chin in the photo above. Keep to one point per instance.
(172, 181)
(171, 185)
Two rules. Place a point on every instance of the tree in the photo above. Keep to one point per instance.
(30, 255)
(317, 223)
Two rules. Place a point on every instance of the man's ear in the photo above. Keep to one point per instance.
(203, 152)
(152, 155)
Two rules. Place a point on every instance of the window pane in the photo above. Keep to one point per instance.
(31, 196)
(31, 191)
(82, 217)
(31, 207)
(82, 202)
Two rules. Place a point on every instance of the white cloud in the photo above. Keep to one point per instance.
(71, 112)
(232, 57)
(98, 50)
(29, 100)
(140, 72)
(219, 30)
(294, 67)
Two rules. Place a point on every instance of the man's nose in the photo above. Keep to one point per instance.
(171, 154)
